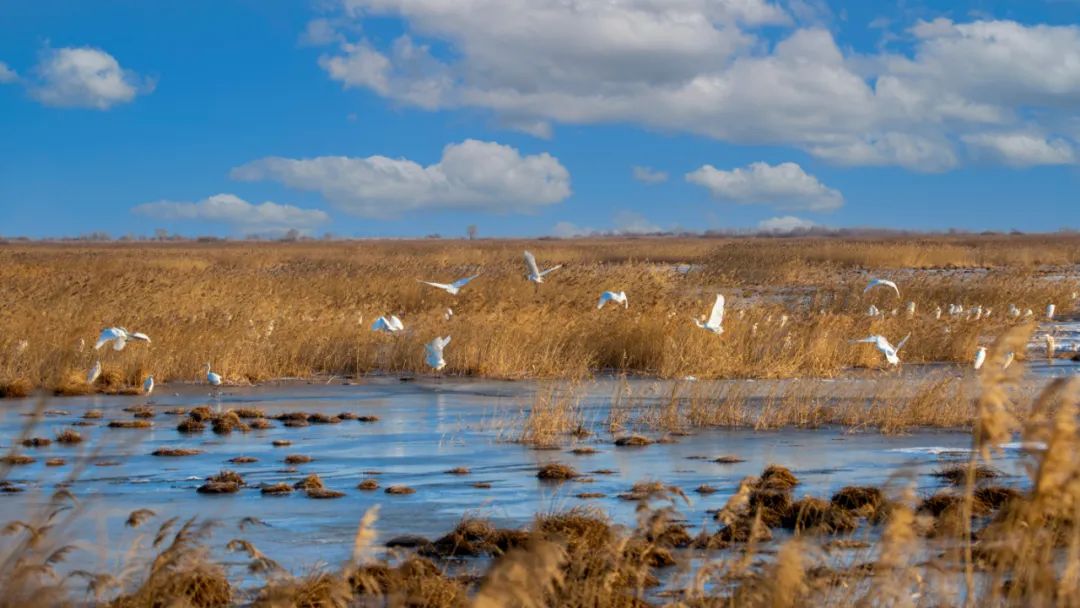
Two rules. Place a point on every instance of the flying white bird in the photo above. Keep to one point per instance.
(1009, 356)
(980, 357)
(148, 385)
(716, 317)
(619, 297)
(211, 377)
(434, 356)
(878, 282)
(535, 274)
(389, 324)
(1050, 311)
(93, 373)
(452, 288)
(891, 353)
(119, 337)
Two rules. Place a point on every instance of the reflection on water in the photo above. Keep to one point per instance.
(424, 429)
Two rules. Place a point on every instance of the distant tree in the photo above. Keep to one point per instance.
(471, 231)
(292, 235)
(161, 234)
(433, 235)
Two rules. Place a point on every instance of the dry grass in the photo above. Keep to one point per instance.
(281, 310)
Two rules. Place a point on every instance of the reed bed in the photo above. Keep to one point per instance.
(259, 311)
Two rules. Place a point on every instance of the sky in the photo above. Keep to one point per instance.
(398, 118)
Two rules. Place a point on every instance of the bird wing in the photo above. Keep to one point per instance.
(872, 284)
(463, 282)
(445, 341)
(139, 336)
(530, 263)
(605, 297)
(120, 343)
(716, 318)
(550, 269)
(395, 323)
(867, 340)
(439, 285)
(107, 335)
(893, 285)
(902, 343)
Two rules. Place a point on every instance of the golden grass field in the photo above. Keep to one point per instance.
(259, 311)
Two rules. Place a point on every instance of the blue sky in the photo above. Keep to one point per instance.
(528, 117)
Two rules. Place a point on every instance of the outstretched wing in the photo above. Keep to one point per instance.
(380, 324)
(395, 323)
(902, 343)
(867, 340)
(716, 317)
(107, 335)
(139, 336)
(463, 282)
(605, 297)
(530, 264)
(439, 285)
(544, 274)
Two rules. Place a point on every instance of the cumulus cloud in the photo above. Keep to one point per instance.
(1021, 149)
(649, 175)
(229, 209)
(7, 74)
(783, 186)
(630, 222)
(473, 175)
(703, 67)
(785, 225)
(85, 77)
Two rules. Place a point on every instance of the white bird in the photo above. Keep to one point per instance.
(891, 353)
(878, 282)
(873, 311)
(783, 321)
(980, 357)
(619, 297)
(389, 324)
(1009, 356)
(535, 274)
(976, 312)
(1049, 346)
(148, 385)
(911, 309)
(1050, 311)
(448, 314)
(211, 377)
(434, 355)
(716, 317)
(937, 313)
(1028, 313)
(1014, 311)
(119, 337)
(94, 373)
(452, 288)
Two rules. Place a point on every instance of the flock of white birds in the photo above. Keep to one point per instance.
(713, 322)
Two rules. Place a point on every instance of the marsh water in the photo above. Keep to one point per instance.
(425, 427)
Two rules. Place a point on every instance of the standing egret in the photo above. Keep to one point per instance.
(619, 297)
(119, 337)
(448, 314)
(1050, 312)
(389, 324)
(1049, 346)
(911, 309)
(211, 377)
(882, 282)
(891, 353)
(1014, 312)
(452, 288)
(535, 274)
(148, 385)
(94, 372)
(783, 321)
(434, 355)
(1009, 356)
(980, 357)
(716, 317)
(937, 313)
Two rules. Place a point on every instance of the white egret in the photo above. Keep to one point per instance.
(93, 373)
(1028, 313)
(882, 282)
(389, 324)
(891, 353)
(211, 377)
(119, 337)
(619, 297)
(873, 311)
(937, 313)
(911, 309)
(1009, 356)
(148, 385)
(535, 274)
(980, 357)
(452, 288)
(448, 314)
(1014, 312)
(976, 312)
(716, 316)
(434, 355)
(1050, 312)
(783, 321)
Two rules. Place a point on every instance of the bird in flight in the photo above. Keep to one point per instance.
(119, 337)
(891, 353)
(452, 288)
(716, 317)
(879, 282)
(389, 324)
(535, 274)
(619, 297)
(434, 356)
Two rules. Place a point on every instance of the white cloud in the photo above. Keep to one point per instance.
(7, 74)
(783, 186)
(1021, 149)
(85, 77)
(569, 230)
(471, 175)
(630, 222)
(649, 175)
(321, 32)
(237, 213)
(785, 224)
(702, 66)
